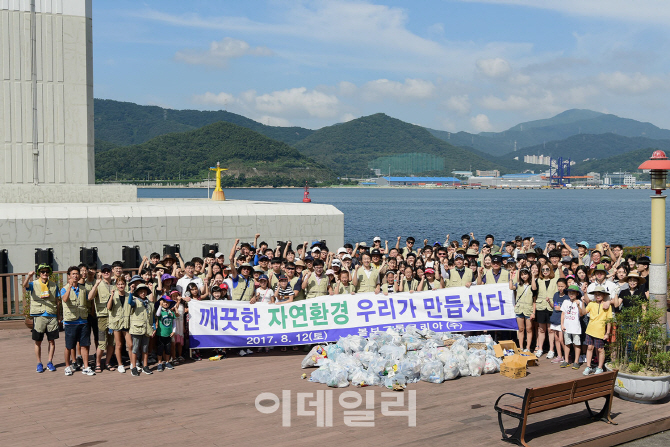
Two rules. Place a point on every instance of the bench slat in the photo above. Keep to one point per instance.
(567, 392)
(550, 389)
(586, 397)
(535, 404)
(561, 404)
(605, 377)
(512, 408)
(594, 390)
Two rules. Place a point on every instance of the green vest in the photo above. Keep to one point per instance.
(502, 279)
(300, 295)
(76, 306)
(88, 286)
(274, 279)
(433, 285)
(345, 290)
(406, 286)
(245, 289)
(119, 316)
(39, 304)
(315, 288)
(544, 292)
(366, 284)
(141, 318)
(101, 298)
(455, 279)
(524, 300)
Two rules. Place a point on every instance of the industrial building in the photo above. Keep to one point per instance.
(511, 181)
(418, 181)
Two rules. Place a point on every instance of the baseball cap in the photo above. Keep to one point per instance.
(263, 277)
(347, 256)
(316, 249)
(106, 267)
(337, 262)
(218, 254)
(459, 256)
(429, 270)
(341, 250)
(566, 259)
(583, 244)
(263, 258)
(330, 272)
(282, 278)
(377, 239)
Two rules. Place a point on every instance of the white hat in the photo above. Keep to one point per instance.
(341, 250)
(377, 238)
(330, 272)
(337, 262)
(218, 254)
(315, 249)
(347, 256)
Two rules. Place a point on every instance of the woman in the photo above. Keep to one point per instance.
(636, 287)
(545, 285)
(620, 277)
(407, 283)
(631, 260)
(582, 275)
(524, 307)
(487, 262)
(119, 319)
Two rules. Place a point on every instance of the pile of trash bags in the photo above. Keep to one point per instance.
(397, 357)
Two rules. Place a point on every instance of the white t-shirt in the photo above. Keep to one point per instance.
(265, 295)
(183, 283)
(571, 313)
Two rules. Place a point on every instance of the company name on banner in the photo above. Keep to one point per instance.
(223, 324)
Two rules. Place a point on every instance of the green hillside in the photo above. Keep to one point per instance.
(351, 148)
(627, 162)
(126, 123)
(559, 127)
(258, 160)
(581, 147)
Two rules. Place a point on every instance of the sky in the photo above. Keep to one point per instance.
(455, 65)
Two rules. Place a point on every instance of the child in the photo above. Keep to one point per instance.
(178, 339)
(166, 324)
(141, 327)
(218, 293)
(284, 294)
(571, 325)
(555, 333)
(263, 293)
(598, 330)
(343, 286)
(119, 319)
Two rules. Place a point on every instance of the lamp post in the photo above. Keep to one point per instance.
(658, 283)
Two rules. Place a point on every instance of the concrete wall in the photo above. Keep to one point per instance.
(64, 92)
(45, 193)
(150, 224)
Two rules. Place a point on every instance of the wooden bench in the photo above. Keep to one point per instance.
(537, 400)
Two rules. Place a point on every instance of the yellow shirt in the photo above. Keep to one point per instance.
(597, 319)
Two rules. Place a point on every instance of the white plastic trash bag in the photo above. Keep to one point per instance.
(433, 372)
(476, 363)
(451, 370)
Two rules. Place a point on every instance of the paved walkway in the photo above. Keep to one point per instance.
(212, 403)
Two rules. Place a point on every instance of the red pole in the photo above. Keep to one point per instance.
(306, 198)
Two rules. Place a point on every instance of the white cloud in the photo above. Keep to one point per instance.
(220, 99)
(624, 83)
(411, 89)
(645, 11)
(494, 68)
(459, 104)
(347, 88)
(481, 123)
(220, 52)
(296, 102)
(347, 117)
(273, 121)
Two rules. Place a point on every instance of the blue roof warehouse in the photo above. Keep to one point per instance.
(417, 181)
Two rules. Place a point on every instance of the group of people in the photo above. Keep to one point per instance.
(564, 295)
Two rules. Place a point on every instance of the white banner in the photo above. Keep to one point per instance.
(223, 323)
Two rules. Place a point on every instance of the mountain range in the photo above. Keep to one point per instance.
(355, 148)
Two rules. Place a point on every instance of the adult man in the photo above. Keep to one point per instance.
(264, 264)
(99, 294)
(459, 276)
(188, 278)
(582, 252)
(490, 241)
(408, 248)
(376, 259)
(117, 270)
(75, 314)
(43, 296)
(643, 266)
(220, 259)
(295, 281)
(242, 285)
(366, 279)
(87, 281)
(316, 283)
(497, 275)
(275, 272)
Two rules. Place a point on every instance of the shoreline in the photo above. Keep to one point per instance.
(609, 188)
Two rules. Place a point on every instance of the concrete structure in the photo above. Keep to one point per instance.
(619, 178)
(418, 181)
(510, 180)
(151, 223)
(64, 69)
(67, 193)
(492, 173)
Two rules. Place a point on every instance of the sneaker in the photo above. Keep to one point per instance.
(526, 350)
(575, 365)
(550, 355)
(168, 365)
(564, 364)
(538, 353)
(181, 359)
(121, 369)
(557, 360)
(51, 367)
(68, 371)
(75, 367)
(40, 368)
(160, 367)
(242, 353)
(147, 371)
(135, 372)
(196, 356)
(588, 371)
(599, 371)
(88, 371)
(249, 351)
